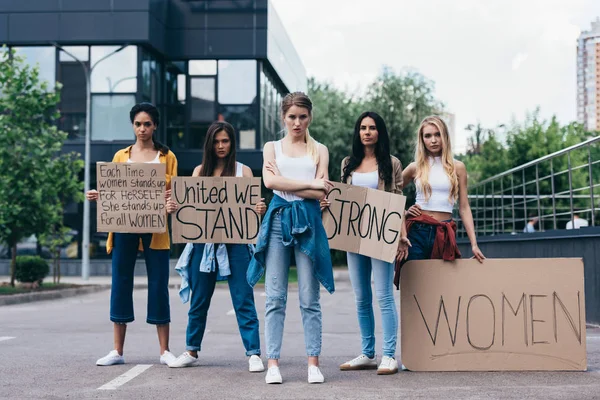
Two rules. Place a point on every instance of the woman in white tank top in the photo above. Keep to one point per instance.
(295, 168)
(440, 181)
(201, 267)
(372, 166)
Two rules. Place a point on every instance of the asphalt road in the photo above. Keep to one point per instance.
(48, 350)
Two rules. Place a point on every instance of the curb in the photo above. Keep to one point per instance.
(63, 293)
(50, 295)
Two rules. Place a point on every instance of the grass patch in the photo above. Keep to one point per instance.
(6, 289)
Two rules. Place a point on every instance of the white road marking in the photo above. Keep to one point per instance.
(126, 377)
(3, 338)
(231, 312)
(263, 294)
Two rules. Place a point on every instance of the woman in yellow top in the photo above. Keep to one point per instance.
(124, 246)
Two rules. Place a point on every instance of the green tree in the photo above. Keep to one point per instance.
(29, 146)
(335, 113)
(68, 188)
(403, 100)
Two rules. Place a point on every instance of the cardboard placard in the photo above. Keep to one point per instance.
(364, 221)
(131, 197)
(504, 314)
(215, 210)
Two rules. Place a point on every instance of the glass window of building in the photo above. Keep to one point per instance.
(243, 119)
(110, 117)
(117, 73)
(202, 102)
(81, 53)
(42, 57)
(237, 81)
(202, 67)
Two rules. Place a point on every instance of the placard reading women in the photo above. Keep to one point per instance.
(215, 210)
(364, 221)
(131, 197)
(504, 314)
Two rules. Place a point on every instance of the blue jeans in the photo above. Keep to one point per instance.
(359, 268)
(203, 284)
(276, 288)
(124, 255)
(422, 237)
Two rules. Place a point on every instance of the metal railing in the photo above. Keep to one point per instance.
(551, 190)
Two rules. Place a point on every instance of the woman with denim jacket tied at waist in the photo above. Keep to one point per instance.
(201, 265)
(372, 166)
(124, 246)
(295, 168)
(440, 180)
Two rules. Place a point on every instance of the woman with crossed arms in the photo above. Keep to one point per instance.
(295, 168)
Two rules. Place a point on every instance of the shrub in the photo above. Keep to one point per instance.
(31, 269)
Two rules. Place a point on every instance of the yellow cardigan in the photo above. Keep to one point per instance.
(160, 241)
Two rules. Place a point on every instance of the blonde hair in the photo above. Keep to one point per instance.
(422, 158)
(300, 99)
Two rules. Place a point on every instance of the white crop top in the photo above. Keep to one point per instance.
(440, 189)
(296, 168)
(366, 179)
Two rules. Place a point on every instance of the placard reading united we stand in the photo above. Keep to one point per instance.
(215, 210)
(131, 197)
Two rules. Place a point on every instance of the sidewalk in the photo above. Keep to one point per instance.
(140, 282)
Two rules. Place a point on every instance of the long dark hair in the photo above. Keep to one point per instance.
(209, 160)
(155, 116)
(382, 149)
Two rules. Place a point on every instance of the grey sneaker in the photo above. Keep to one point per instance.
(360, 362)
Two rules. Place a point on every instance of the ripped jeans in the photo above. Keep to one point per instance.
(276, 288)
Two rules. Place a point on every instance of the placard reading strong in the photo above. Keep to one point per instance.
(216, 210)
(131, 197)
(364, 221)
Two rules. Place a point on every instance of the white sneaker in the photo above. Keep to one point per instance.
(315, 375)
(184, 360)
(273, 375)
(167, 358)
(111, 358)
(360, 362)
(255, 364)
(388, 366)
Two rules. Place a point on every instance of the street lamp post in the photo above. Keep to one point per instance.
(85, 241)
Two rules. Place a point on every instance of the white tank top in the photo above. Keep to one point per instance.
(440, 189)
(366, 179)
(239, 169)
(155, 161)
(296, 168)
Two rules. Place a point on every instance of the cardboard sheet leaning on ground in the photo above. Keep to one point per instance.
(215, 210)
(364, 221)
(504, 314)
(131, 197)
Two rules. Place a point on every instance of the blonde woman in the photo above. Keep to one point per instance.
(440, 181)
(295, 168)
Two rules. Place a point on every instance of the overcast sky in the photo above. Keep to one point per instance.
(490, 60)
